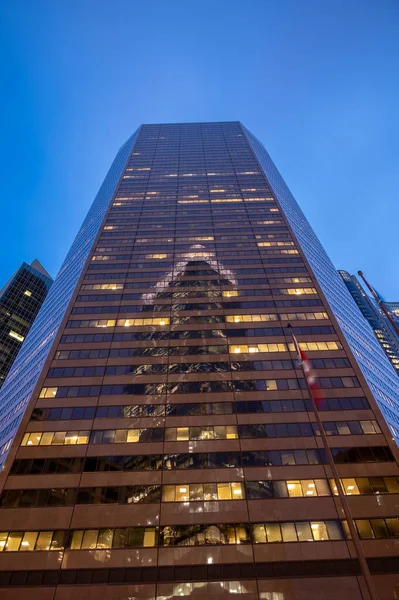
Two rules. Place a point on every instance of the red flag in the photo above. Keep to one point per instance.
(310, 375)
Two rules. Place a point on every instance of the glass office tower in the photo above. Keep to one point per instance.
(393, 309)
(20, 301)
(168, 447)
(383, 330)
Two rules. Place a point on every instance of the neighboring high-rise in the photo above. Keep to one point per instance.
(20, 301)
(167, 447)
(393, 309)
(383, 330)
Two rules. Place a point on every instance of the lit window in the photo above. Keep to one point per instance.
(319, 531)
(133, 435)
(16, 335)
(182, 434)
(250, 318)
(294, 489)
(14, 541)
(47, 438)
(48, 392)
(224, 491)
(181, 494)
(273, 532)
(231, 432)
(253, 348)
(238, 349)
(299, 291)
(269, 244)
(44, 540)
(237, 491)
(313, 346)
(309, 488)
(138, 322)
(71, 437)
(149, 537)
(230, 293)
(103, 323)
(350, 487)
(221, 200)
(27, 293)
(259, 533)
(271, 384)
(29, 540)
(193, 202)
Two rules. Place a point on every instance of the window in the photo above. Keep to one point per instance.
(272, 533)
(302, 531)
(230, 294)
(15, 541)
(294, 489)
(48, 392)
(250, 318)
(353, 486)
(348, 428)
(303, 316)
(16, 335)
(370, 427)
(217, 432)
(295, 291)
(202, 492)
(120, 436)
(314, 346)
(141, 322)
(254, 348)
(55, 438)
(364, 529)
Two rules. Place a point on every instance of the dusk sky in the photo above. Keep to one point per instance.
(316, 81)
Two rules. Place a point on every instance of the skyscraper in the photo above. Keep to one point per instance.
(20, 301)
(393, 309)
(383, 330)
(167, 446)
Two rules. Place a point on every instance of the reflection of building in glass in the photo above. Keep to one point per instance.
(383, 330)
(168, 446)
(20, 301)
(196, 263)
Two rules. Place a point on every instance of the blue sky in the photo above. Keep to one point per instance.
(316, 81)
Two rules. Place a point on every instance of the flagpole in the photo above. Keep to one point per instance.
(344, 504)
(379, 302)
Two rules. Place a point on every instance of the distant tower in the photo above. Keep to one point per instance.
(20, 300)
(383, 330)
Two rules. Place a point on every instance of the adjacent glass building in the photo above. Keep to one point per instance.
(393, 309)
(20, 301)
(383, 330)
(166, 446)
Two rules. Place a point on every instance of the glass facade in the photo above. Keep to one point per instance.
(20, 301)
(374, 364)
(393, 309)
(22, 377)
(383, 330)
(168, 447)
